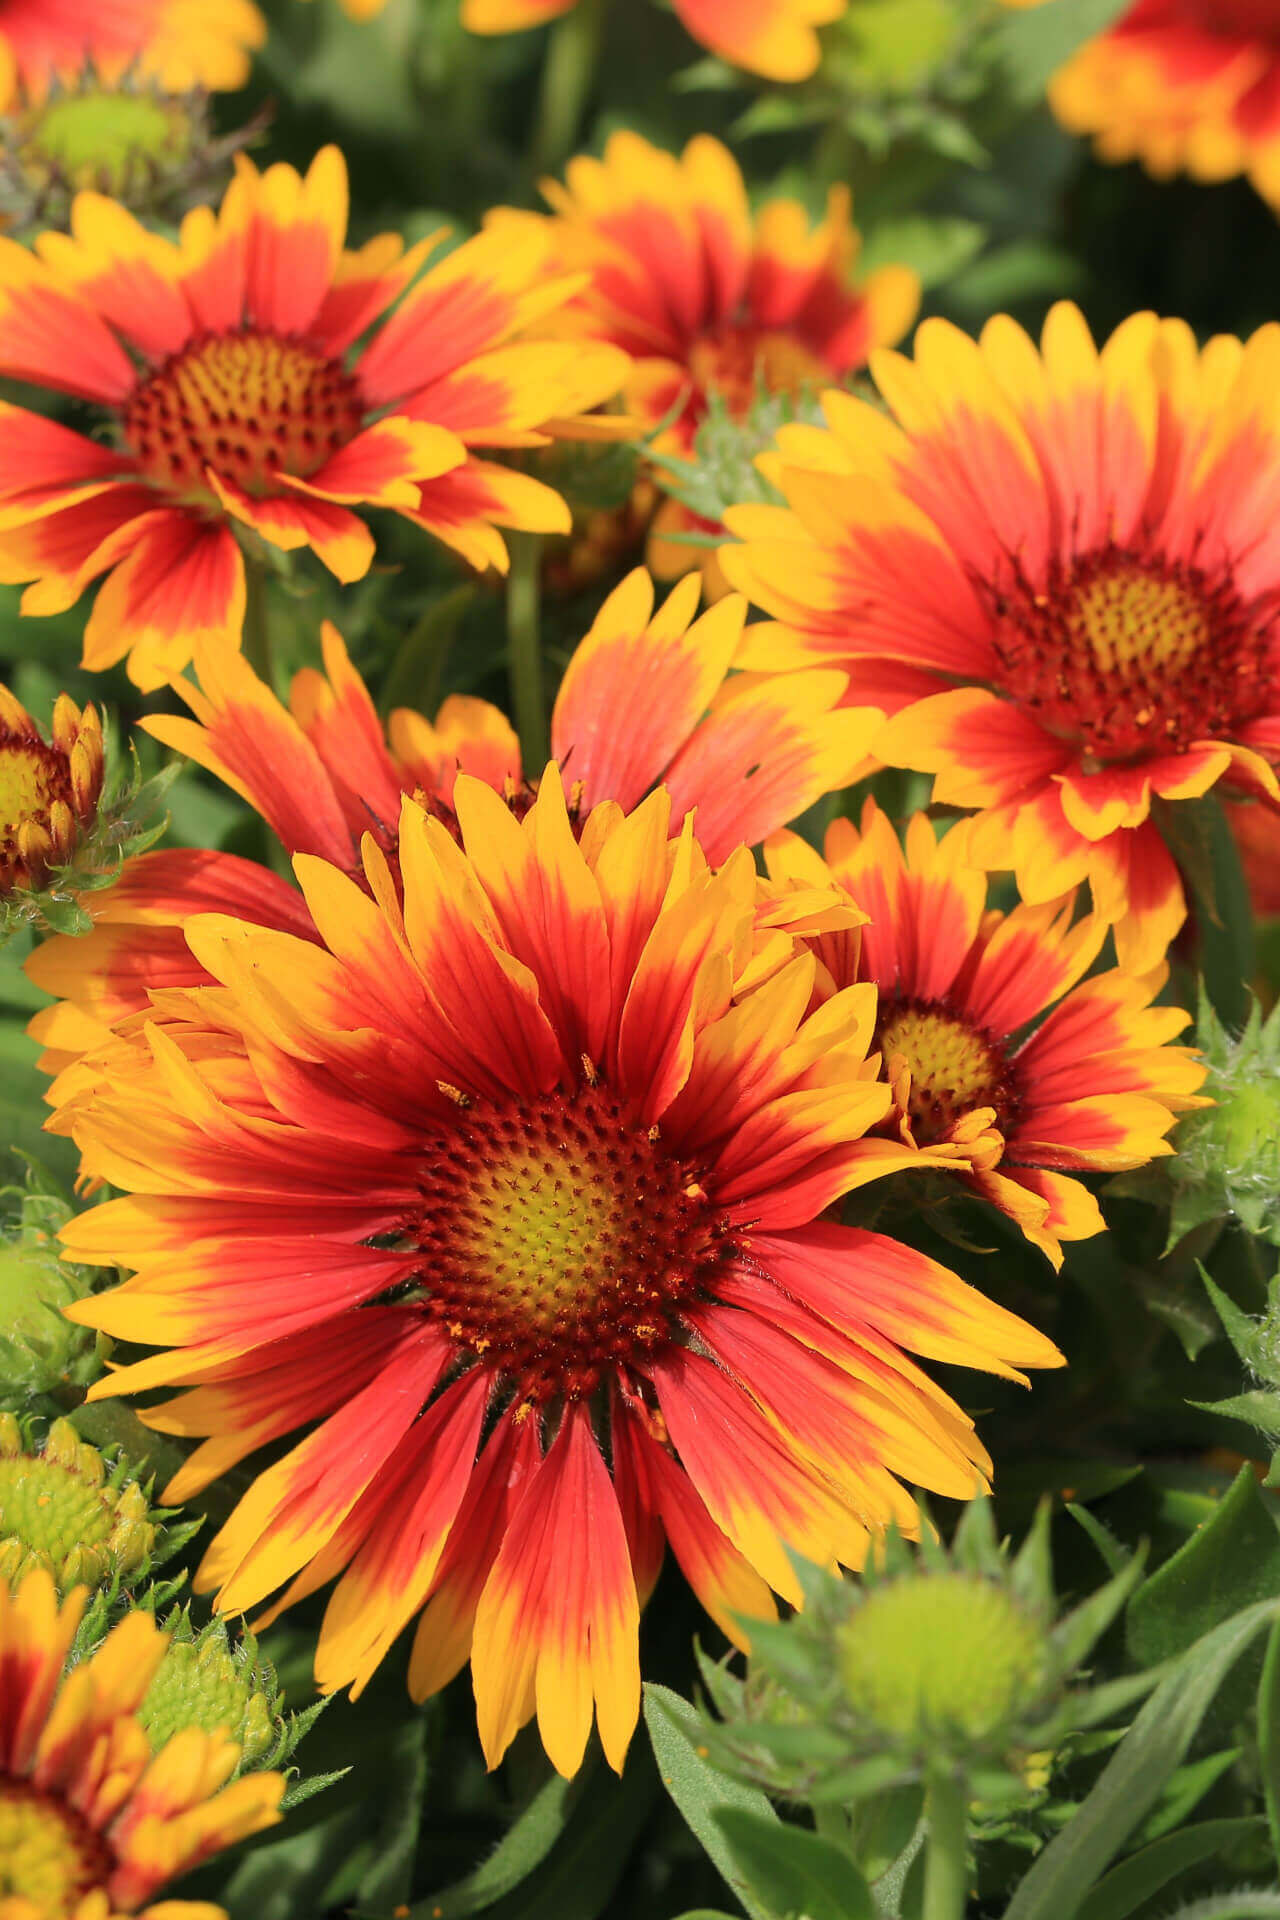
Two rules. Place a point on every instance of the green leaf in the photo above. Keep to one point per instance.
(1143, 1874)
(522, 1848)
(1259, 1408)
(1032, 46)
(1232, 1560)
(580, 1876)
(1269, 1735)
(1134, 1778)
(793, 1871)
(937, 247)
(1258, 1905)
(701, 1791)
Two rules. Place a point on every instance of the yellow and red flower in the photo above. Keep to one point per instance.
(91, 1824)
(709, 299)
(996, 1046)
(775, 38)
(511, 1188)
(1062, 571)
(178, 43)
(227, 374)
(49, 789)
(747, 752)
(1184, 86)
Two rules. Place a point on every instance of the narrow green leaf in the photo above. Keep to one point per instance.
(1143, 1874)
(794, 1871)
(1269, 1735)
(1134, 1778)
(1233, 1559)
(701, 1791)
(1256, 1905)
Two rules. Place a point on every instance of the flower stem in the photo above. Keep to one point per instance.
(566, 82)
(256, 644)
(524, 650)
(946, 1858)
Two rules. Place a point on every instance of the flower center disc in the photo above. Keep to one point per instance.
(32, 777)
(48, 1855)
(1127, 657)
(953, 1068)
(250, 405)
(736, 362)
(560, 1237)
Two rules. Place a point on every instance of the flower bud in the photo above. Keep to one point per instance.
(64, 1509)
(941, 1661)
(208, 1682)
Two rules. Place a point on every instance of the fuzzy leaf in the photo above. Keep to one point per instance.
(795, 1872)
(701, 1791)
(1233, 1559)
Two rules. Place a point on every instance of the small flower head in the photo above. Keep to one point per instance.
(775, 38)
(1060, 671)
(247, 382)
(64, 1509)
(74, 1843)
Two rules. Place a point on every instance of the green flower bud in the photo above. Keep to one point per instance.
(722, 471)
(933, 1655)
(934, 1661)
(63, 1508)
(154, 151)
(206, 1681)
(1227, 1159)
(41, 1352)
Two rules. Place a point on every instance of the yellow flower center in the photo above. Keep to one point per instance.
(48, 1854)
(953, 1068)
(32, 778)
(1125, 655)
(737, 362)
(560, 1238)
(251, 406)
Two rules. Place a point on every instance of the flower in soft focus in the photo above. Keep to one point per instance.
(511, 1188)
(937, 1656)
(49, 790)
(64, 1509)
(711, 301)
(91, 1824)
(225, 373)
(1063, 567)
(1184, 86)
(995, 1044)
(747, 753)
(178, 43)
(775, 38)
